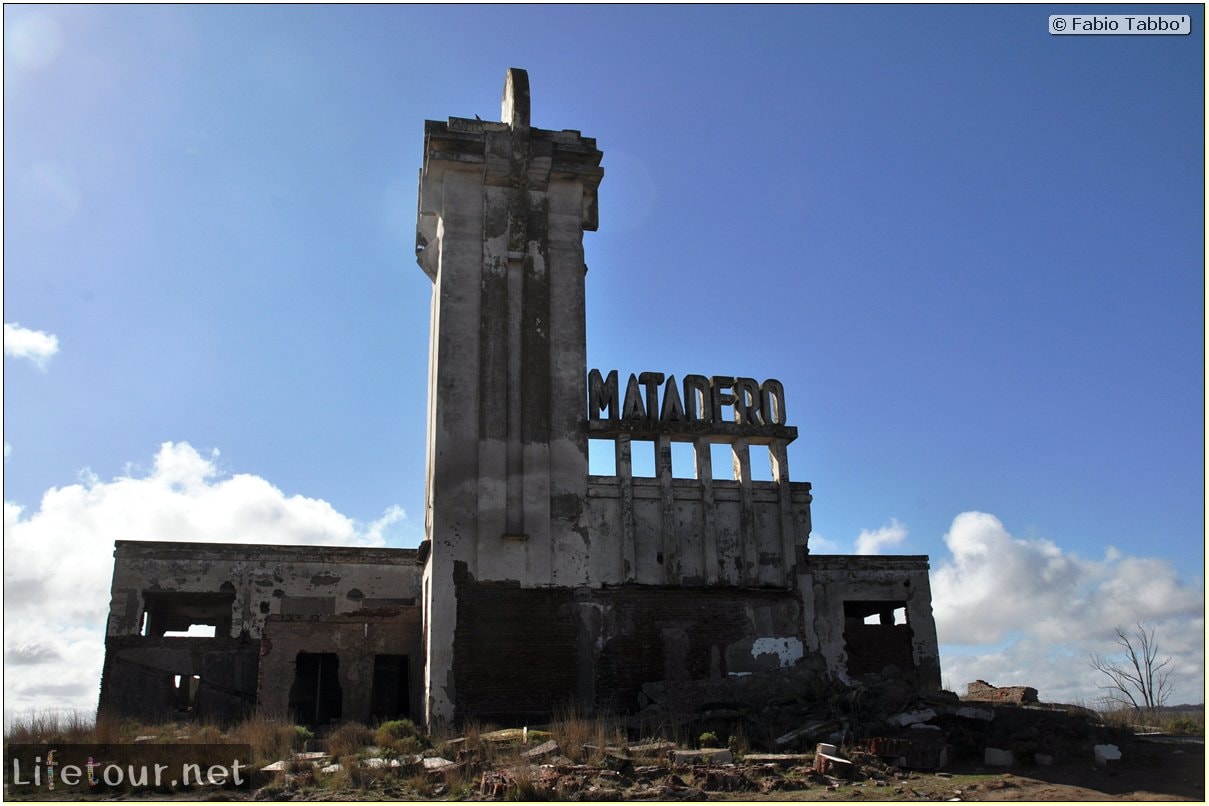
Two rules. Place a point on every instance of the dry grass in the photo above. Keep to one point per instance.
(584, 739)
(38, 727)
(1181, 723)
(270, 740)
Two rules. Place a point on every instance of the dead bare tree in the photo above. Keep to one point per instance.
(1139, 680)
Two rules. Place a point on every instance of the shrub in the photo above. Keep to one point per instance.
(348, 739)
(302, 735)
(709, 739)
(400, 736)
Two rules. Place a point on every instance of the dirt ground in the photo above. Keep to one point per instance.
(1146, 772)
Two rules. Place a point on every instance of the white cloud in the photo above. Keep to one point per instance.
(21, 342)
(59, 558)
(823, 545)
(873, 542)
(32, 41)
(1039, 612)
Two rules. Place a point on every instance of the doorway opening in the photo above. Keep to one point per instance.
(315, 697)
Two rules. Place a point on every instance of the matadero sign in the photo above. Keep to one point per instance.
(719, 405)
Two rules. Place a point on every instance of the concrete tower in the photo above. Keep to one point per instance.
(502, 212)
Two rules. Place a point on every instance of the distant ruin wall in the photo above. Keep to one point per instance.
(982, 691)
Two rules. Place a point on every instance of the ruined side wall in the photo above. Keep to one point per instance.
(521, 653)
(137, 679)
(830, 581)
(251, 585)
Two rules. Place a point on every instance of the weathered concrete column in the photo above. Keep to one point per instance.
(502, 211)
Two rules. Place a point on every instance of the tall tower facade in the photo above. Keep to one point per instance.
(545, 585)
(502, 211)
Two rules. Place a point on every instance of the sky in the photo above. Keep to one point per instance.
(972, 252)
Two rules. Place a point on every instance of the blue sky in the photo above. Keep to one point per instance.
(972, 252)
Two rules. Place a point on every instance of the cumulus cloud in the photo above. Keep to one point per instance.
(59, 558)
(820, 544)
(21, 342)
(873, 542)
(1026, 612)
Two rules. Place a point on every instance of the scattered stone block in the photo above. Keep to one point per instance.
(651, 748)
(836, 767)
(778, 759)
(542, 750)
(806, 732)
(970, 712)
(1107, 754)
(912, 717)
(686, 757)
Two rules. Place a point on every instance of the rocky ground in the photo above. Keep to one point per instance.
(878, 741)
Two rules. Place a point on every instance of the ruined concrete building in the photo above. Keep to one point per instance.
(539, 584)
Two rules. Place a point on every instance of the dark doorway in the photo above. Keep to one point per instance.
(391, 694)
(315, 697)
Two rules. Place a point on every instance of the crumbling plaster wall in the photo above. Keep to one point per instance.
(693, 533)
(265, 580)
(828, 581)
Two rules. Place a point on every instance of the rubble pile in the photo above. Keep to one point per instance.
(879, 732)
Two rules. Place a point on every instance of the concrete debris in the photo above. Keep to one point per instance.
(1106, 754)
(544, 749)
(1043, 760)
(651, 748)
(778, 759)
(970, 712)
(912, 717)
(836, 767)
(806, 732)
(688, 757)
(507, 735)
(919, 751)
(436, 764)
(312, 757)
